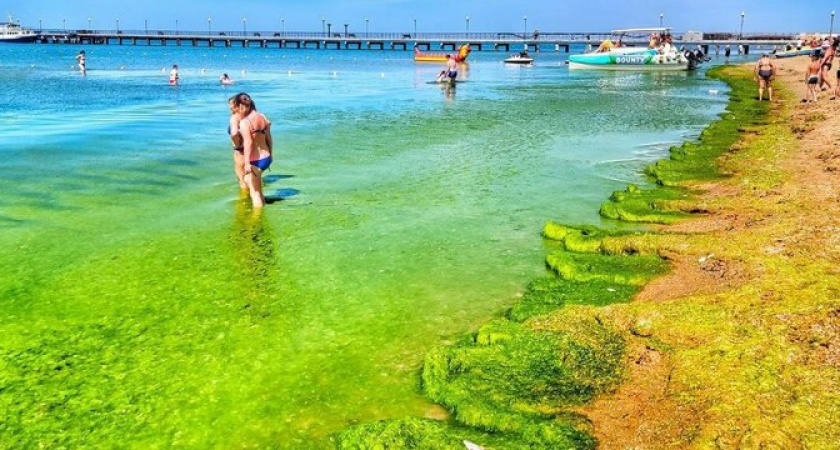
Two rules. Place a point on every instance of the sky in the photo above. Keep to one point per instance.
(431, 15)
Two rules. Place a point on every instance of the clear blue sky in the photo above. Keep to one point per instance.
(431, 15)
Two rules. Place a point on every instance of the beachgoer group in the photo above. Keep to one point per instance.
(819, 69)
(250, 133)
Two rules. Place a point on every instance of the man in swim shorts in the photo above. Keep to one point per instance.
(827, 62)
(812, 78)
(81, 59)
(451, 68)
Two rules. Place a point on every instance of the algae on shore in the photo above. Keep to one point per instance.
(516, 381)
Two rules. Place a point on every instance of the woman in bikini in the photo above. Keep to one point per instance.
(236, 142)
(765, 72)
(255, 130)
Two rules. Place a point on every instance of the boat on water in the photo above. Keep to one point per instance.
(521, 58)
(11, 31)
(613, 54)
(460, 56)
(804, 51)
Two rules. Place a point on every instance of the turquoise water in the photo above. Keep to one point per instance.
(143, 303)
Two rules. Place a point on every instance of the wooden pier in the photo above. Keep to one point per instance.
(505, 42)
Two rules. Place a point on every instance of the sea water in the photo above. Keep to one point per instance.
(143, 303)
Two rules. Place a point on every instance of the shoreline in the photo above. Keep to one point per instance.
(656, 369)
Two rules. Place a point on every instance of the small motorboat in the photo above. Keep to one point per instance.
(523, 59)
(803, 51)
(11, 31)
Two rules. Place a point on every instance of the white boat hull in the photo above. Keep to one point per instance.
(630, 67)
(18, 39)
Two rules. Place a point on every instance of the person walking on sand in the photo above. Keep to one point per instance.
(236, 141)
(827, 62)
(837, 85)
(765, 72)
(255, 130)
(174, 77)
(81, 60)
(812, 78)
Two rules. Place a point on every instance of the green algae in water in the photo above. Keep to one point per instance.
(552, 293)
(137, 316)
(508, 387)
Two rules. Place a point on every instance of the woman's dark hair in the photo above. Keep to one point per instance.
(836, 42)
(243, 99)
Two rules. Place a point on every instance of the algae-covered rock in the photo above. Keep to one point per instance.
(620, 269)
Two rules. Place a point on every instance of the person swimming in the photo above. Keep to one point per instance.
(174, 77)
(255, 130)
(226, 80)
(82, 65)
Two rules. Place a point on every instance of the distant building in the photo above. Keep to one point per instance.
(692, 36)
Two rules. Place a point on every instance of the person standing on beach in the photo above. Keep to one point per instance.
(812, 78)
(255, 130)
(174, 77)
(765, 72)
(727, 52)
(236, 141)
(81, 59)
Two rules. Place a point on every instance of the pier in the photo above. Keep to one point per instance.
(440, 42)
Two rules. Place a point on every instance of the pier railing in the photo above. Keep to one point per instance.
(547, 37)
